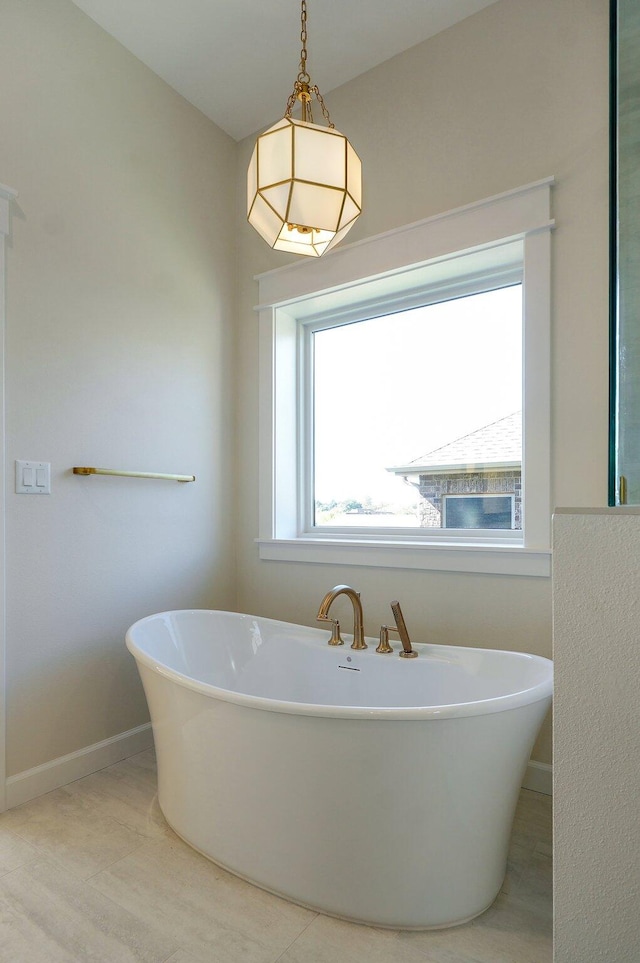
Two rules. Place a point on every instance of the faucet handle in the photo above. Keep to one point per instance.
(336, 638)
(384, 646)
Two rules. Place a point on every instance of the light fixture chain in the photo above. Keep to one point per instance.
(325, 109)
(301, 89)
(291, 101)
(303, 76)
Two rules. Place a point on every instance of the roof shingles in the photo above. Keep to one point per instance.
(498, 443)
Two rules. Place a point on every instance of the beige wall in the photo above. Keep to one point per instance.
(119, 350)
(509, 96)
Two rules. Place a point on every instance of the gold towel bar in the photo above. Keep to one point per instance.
(133, 474)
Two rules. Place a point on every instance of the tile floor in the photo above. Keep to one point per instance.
(92, 873)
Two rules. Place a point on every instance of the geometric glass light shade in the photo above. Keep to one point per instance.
(304, 187)
(304, 183)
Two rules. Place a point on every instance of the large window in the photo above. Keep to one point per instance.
(398, 398)
(405, 396)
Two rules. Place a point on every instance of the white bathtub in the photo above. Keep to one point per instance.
(369, 787)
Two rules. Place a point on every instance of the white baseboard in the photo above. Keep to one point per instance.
(51, 775)
(539, 777)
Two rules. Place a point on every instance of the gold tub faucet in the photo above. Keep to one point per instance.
(358, 620)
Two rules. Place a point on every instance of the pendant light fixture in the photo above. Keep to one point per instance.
(304, 183)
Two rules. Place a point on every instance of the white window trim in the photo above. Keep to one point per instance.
(518, 215)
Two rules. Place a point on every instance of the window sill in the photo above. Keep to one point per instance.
(480, 559)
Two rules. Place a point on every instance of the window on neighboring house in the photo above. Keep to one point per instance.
(430, 339)
(478, 511)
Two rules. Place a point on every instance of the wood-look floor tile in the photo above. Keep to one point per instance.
(533, 817)
(546, 848)
(145, 759)
(68, 828)
(14, 852)
(211, 914)
(509, 932)
(533, 886)
(48, 916)
(521, 852)
(126, 794)
(328, 940)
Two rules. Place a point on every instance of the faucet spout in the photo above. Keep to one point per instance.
(358, 619)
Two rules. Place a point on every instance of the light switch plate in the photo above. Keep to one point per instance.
(33, 477)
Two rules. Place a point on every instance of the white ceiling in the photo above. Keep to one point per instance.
(236, 60)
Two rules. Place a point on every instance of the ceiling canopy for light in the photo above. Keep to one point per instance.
(304, 183)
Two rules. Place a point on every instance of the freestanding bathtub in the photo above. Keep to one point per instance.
(365, 786)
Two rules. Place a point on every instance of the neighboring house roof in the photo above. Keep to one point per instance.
(496, 445)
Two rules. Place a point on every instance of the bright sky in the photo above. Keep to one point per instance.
(391, 389)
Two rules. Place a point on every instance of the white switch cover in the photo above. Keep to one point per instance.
(33, 477)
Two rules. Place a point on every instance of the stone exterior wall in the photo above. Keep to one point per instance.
(434, 487)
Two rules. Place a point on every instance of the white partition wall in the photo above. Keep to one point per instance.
(597, 735)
